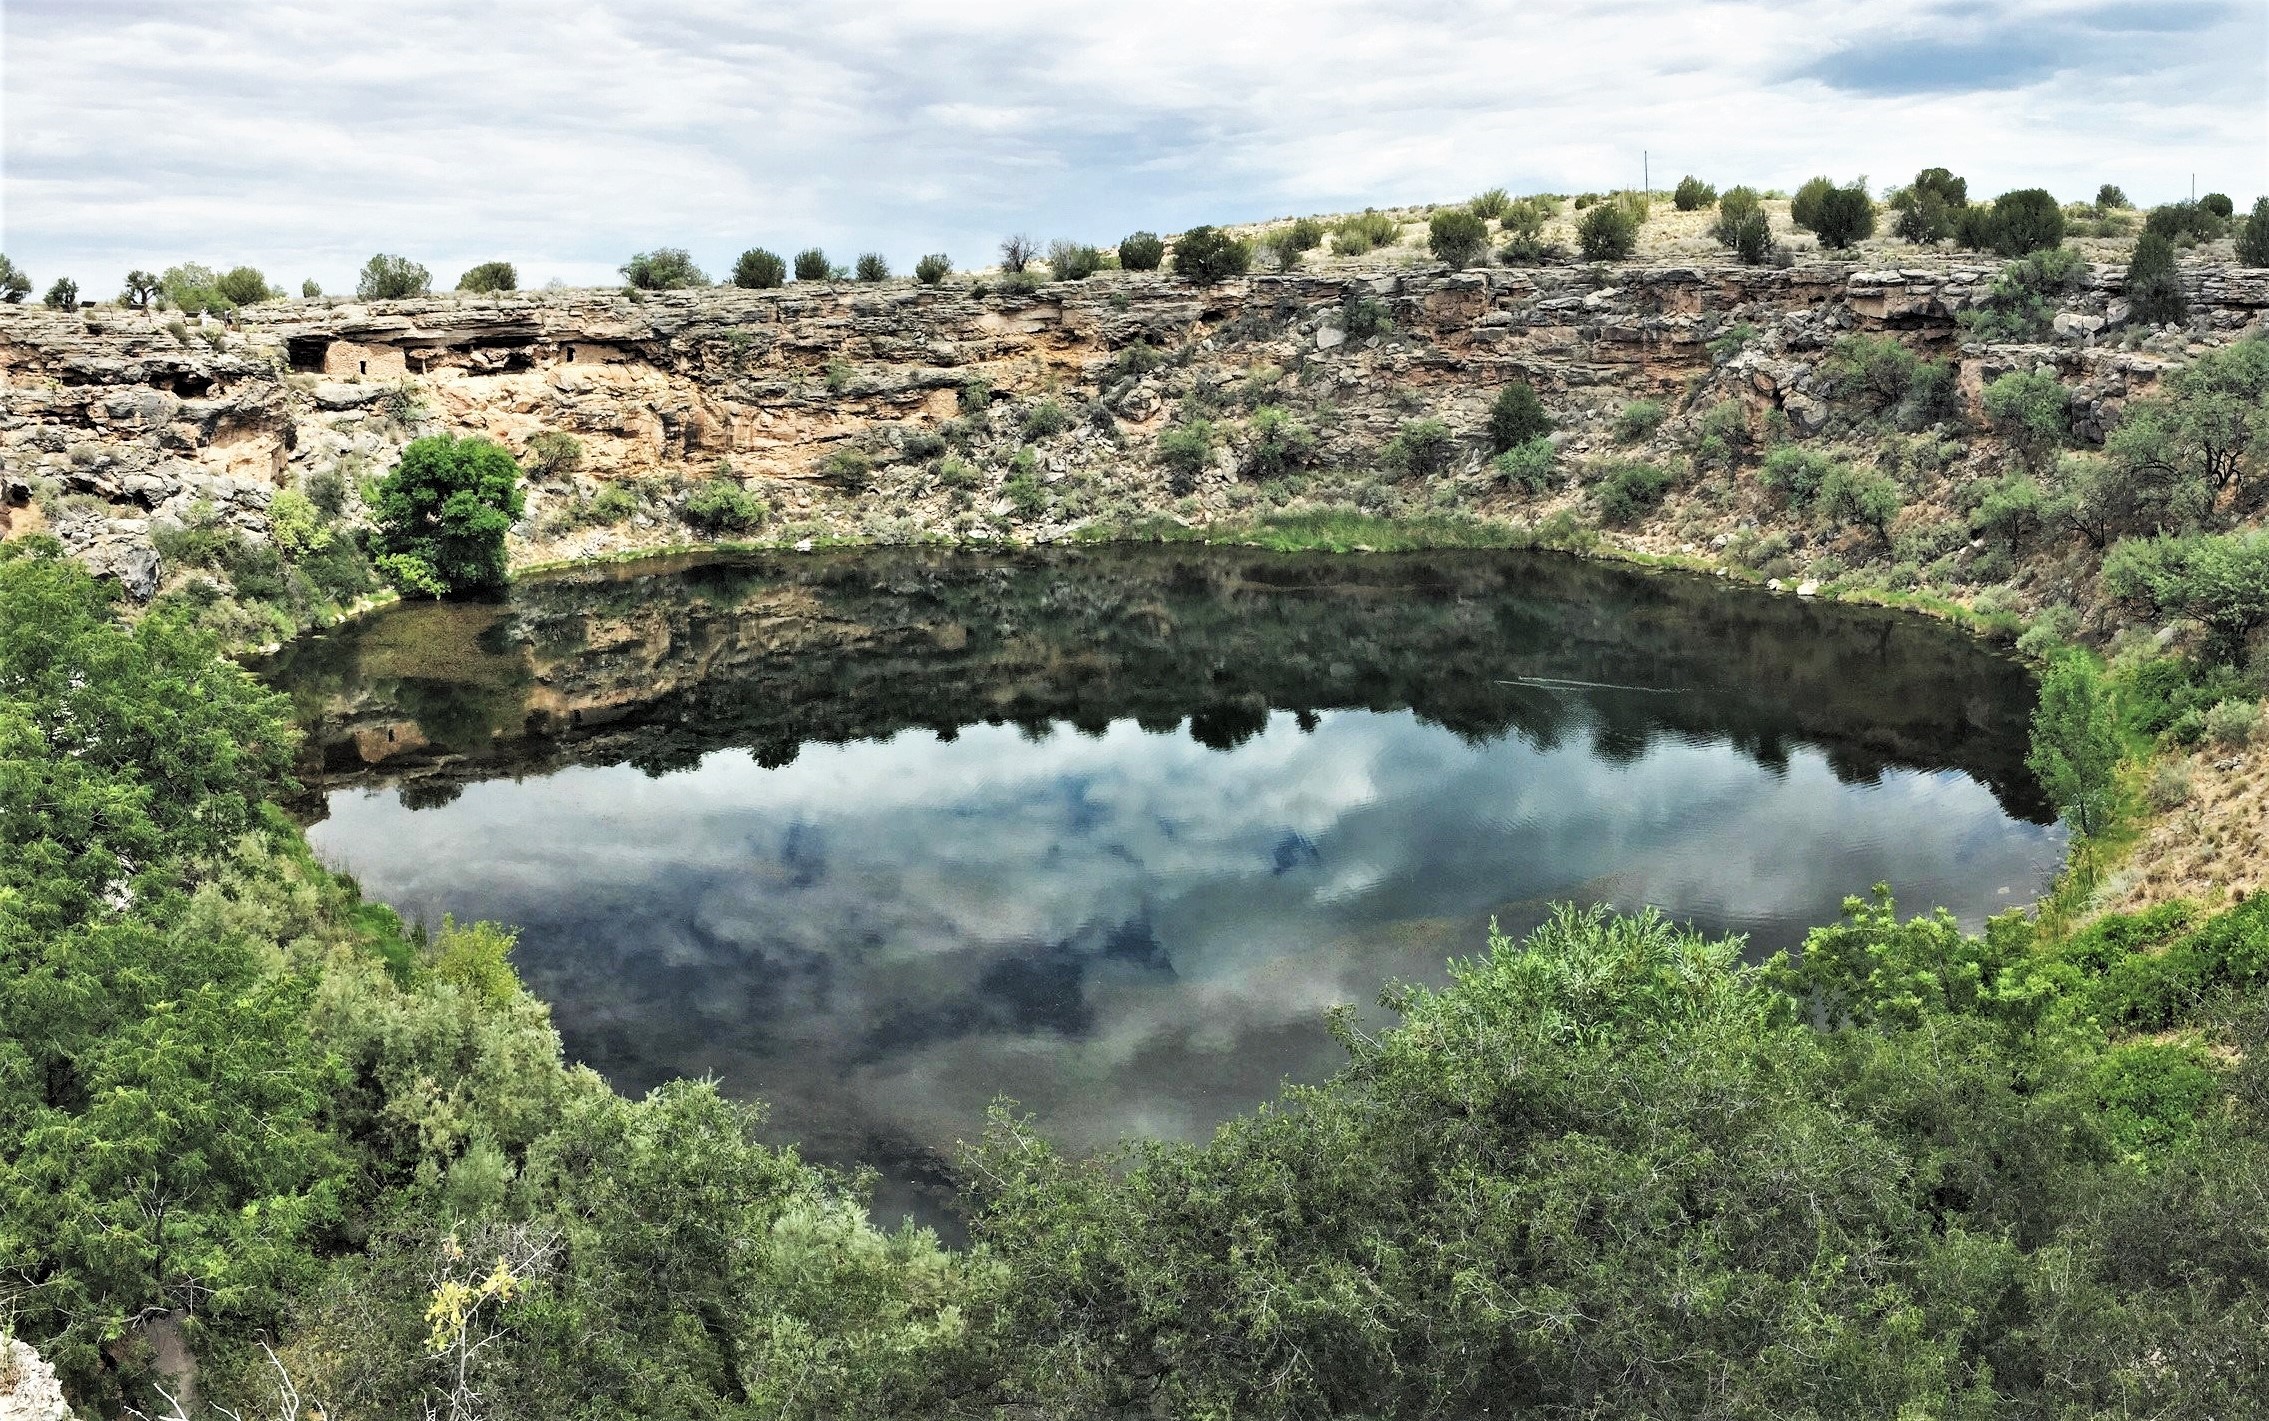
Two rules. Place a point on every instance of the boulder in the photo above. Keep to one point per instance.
(332, 396)
(28, 1389)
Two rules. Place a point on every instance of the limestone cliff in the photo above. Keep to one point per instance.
(114, 423)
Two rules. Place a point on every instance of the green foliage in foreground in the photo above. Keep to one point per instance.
(1608, 1171)
(442, 516)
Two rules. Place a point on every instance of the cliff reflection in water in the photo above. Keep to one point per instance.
(879, 836)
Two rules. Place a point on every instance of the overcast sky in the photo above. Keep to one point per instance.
(302, 135)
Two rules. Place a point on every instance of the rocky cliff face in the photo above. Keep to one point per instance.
(115, 424)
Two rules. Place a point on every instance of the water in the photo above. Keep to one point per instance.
(881, 837)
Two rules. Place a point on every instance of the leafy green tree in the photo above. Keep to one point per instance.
(759, 270)
(490, 277)
(663, 269)
(1141, 251)
(2027, 220)
(1206, 255)
(386, 278)
(2183, 222)
(1523, 226)
(1516, 416)
(811, 265)
(2031, 411)
(1854, 495)
(2218, 205)
(2012, 510)
(310, 288)
(244, 286)
(1457, 236)
(2253, 237)
(2111, 197)
(2203, 436)
(1929, 207)
(1743, 225)
(142, 287)
(1844, 215)
(193, 289)
(934, 268)
(442, 515)
(15, 285)
(2022, 302)
(1804, 208)
(1607, 232)
(63, 295)
(871, 267)
(2076, 745)
(2153, 287)
(2221, 580)
(1692, 194)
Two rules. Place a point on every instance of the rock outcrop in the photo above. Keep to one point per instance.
(115, 425)
(28, 1389)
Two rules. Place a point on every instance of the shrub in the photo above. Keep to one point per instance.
(2154, 286)
(310, 288)
(1489, 205)
(1279, 443)
(1015, 283)
(2253, 237)
(2112, 198)
(974, 396)
(1796, 474)
(1422, 448)
(1628, 488)
(1045, 418)
(1073, 261)
(1017, 253)
(63, 295)
(812, 265)
(141, 288)
(490, 276)
(847, 469)
(2183, 221)
(663, 269)
(1364, 316)
(383, 278)
(1528, 466)
(1930, 207)
(1305, 234)
(721, 505)
(1457, 236)
(1186, 449)
(1207, 254)
(1845, 215)
(1141, 251)
(1743, 225)
(244, 286)
(1607, 232)
(872, 267)
(1853, 495)
(1804, 209)
(2026, 220)
(2218, 205)
(1363, 232)
(1692, 194)
(2220, 580)
(2010, 511)
(759, 270)
(1721, 437)
(1523, 226)
(442, 514)
(553, 454)
(2169, 787)
(14, 284)
(2022, 301)
(1637, 419)
(1516, 416)
(934, 268)
(2232, 722)
(2033, 412)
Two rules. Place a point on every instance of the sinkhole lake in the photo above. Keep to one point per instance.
(878, 837)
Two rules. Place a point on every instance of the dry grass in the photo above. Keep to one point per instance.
(2210, 848)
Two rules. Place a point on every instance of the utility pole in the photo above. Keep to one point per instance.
(1646, 175)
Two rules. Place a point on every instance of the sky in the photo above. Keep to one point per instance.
(300, 136)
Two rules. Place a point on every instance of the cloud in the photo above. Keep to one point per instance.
(566, 134)
(880, 937)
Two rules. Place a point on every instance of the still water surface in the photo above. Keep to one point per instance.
(880, 837)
